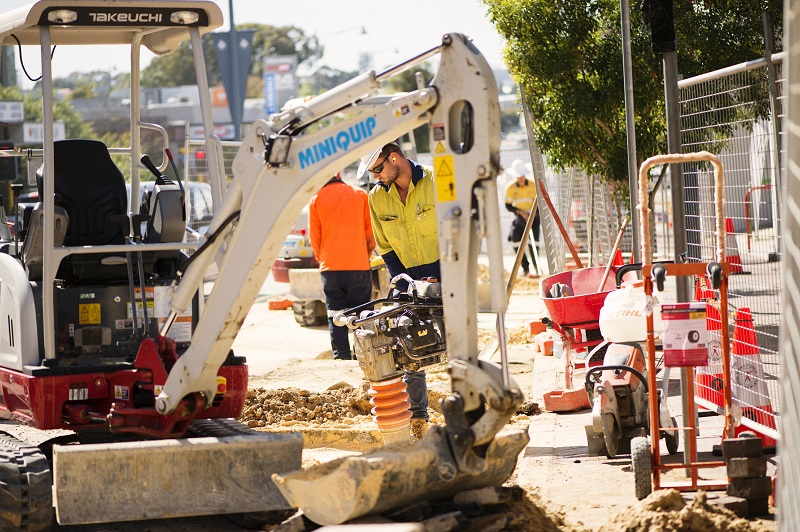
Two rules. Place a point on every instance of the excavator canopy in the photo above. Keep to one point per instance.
(160, 29)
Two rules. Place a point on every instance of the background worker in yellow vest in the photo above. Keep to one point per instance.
(520, 194)
(403, 212)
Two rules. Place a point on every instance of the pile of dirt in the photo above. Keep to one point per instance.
(520, 335)
(666, 511)
(522, 284)
(532, 513)
(344, 406)
(290, 406)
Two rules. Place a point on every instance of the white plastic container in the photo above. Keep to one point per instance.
(623, 318)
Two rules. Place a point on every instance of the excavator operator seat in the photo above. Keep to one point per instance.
(90, 187)
(90, 190)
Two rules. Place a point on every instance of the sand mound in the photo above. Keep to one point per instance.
(666, 511)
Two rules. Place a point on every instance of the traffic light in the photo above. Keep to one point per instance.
(659, 15)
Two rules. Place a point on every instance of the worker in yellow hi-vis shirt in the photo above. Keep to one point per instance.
(520, 195)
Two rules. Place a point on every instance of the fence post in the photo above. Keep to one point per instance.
(774, 111)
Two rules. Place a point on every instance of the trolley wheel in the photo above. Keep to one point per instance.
(611, 435)
(642, 466)
(672, 438)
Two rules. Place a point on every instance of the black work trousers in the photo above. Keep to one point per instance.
(344, 290)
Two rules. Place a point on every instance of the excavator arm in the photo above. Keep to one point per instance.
(285, 160)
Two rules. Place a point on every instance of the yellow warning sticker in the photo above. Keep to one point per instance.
(445, 178)
(439, 148)
(89, 314)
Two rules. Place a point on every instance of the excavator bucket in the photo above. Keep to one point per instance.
(341, 490)
(98, 483)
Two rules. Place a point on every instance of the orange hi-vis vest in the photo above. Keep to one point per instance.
(340, 228)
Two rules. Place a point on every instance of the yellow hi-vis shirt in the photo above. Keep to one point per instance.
(409, 230)
(521, 197)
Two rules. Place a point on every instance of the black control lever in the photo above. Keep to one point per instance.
(161, 179)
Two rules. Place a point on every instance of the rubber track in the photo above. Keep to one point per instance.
(25, 487)
(219, 428)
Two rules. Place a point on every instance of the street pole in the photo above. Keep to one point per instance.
(672, 103)
(679, 242)
(630, 126)
(233, 99)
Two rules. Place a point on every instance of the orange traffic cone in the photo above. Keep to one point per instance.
(748, 386)
(731, 249)
(709, 378)
(618, 260)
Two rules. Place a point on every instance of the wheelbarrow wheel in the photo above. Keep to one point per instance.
(672, 438)
(642, 467)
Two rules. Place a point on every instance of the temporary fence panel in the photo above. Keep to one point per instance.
(586, 209)
(728, 113)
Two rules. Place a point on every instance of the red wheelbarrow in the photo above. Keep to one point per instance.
(573, 299)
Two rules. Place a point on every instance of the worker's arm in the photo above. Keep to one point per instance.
(314, 228)
(510, 200)
(393, 264)
(368, 225)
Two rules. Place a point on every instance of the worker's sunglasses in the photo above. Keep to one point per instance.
(378, 169)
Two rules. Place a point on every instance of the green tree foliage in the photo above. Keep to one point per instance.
(177, 69)
(567, 55)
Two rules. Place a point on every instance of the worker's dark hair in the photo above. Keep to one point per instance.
(391, 148)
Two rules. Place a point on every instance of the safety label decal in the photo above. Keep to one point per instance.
(445, 178)
(122, 393)
(89, 313)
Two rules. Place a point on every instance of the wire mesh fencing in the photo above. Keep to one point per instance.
(736, 114)
(578, 213)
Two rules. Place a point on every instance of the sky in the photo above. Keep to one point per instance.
(395, 31)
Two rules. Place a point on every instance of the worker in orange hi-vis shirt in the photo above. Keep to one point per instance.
(342, 240)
